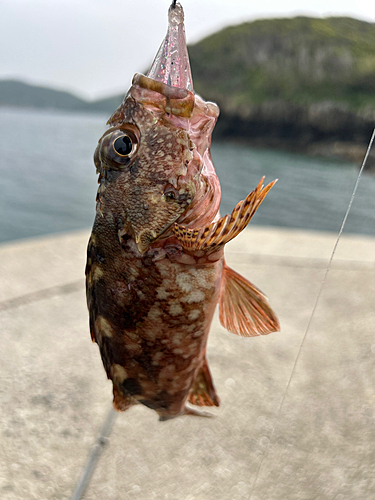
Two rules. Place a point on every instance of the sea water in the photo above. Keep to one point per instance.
(48, 180)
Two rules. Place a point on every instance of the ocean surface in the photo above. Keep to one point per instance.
(48, 180)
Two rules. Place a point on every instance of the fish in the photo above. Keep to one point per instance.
(155, 259)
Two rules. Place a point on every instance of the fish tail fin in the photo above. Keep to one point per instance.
(120, 401)
(203, 392)
(243, 308)
(197, 413)
(225, 229)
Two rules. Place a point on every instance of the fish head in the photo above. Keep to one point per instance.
(154, 162)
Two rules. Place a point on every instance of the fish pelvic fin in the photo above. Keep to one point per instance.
(225, 229)
(203, 392)
(243, 308)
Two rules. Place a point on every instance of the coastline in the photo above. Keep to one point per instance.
(329, 149)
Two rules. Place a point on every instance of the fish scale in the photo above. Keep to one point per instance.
(155, 262)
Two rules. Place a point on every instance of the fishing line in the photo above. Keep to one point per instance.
(313, 311)
(105, 431)
(173, 5)
(94, 455)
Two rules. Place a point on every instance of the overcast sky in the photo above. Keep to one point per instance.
(93, 47)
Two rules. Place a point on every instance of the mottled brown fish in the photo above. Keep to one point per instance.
(155, 262)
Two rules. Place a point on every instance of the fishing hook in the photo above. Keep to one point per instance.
(173, 4)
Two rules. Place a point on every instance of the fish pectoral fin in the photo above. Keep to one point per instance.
(203, 392)
(243, 309)
(225, 229)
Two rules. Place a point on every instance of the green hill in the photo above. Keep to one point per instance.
(301, 83)
(107, 105)
(301, 79)
(14, 93)
(301, 60)
(19, 94)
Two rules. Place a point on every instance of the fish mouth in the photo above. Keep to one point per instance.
(178, 101)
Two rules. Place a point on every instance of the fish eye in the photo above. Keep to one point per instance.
(118, 147)
(123, 145)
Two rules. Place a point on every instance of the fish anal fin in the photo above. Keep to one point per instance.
(225, 229)
(243, 309)
(120, 401)
(203, 392)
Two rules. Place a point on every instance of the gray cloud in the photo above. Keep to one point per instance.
(94, 47)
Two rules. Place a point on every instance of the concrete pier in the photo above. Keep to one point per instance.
(285, 430)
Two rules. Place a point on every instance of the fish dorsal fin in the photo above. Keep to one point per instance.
(203, 392)
(243, 309)
(225, 229)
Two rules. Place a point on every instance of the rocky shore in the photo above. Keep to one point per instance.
(301, 84)
(322, 129)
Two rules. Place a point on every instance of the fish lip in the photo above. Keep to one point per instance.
(161, 88)
(178, 101)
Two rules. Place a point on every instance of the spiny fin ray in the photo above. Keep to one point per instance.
(226, 228)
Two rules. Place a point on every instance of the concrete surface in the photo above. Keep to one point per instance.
(54, 395)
